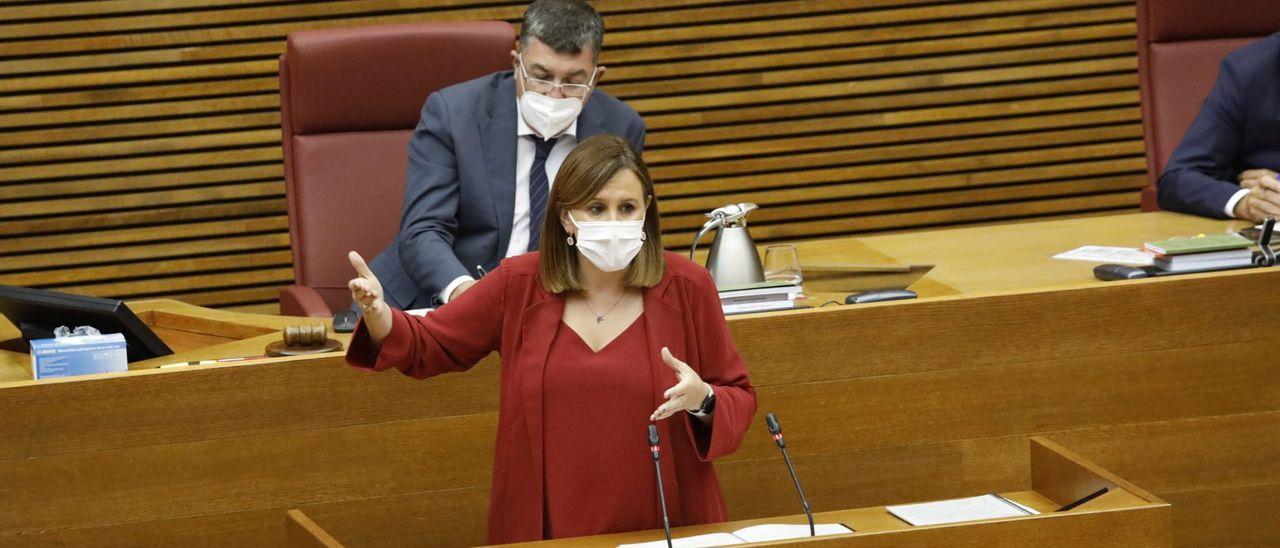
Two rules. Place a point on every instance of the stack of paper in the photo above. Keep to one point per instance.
(756, 533)
(1216, 252)
(1216, 260)
(957, 510)
(759, 297)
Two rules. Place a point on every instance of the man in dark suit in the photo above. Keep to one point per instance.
(1224, 165)
(485, 152)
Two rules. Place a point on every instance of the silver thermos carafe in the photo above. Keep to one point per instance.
(733, 259)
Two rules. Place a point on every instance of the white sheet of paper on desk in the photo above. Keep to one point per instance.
(777, 531)
(714, 539)
(958, 510)
(756, 533)
(1105, 254)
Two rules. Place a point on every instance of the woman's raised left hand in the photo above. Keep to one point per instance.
(686, 395)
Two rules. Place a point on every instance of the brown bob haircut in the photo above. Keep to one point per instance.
(591, 165)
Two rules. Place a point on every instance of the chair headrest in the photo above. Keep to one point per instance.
(1185, 20)
(331, 72)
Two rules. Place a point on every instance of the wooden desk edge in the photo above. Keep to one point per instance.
(1059, 288)
(1090, 467)
(302, 532)
(340, 356)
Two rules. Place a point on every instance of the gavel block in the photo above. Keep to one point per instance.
(300, 340)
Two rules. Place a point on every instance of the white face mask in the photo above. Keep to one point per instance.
(547, 116)
(610, 245)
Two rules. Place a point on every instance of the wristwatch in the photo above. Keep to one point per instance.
(708, 404)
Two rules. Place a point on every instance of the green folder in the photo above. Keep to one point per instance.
(1199, 244)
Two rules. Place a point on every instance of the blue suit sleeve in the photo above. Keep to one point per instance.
(428, 224)
(1200, 176)
(636, 133)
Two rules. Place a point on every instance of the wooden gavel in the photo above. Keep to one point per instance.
(305, 335)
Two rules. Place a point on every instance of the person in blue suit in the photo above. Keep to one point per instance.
(1226, 164)
(485, 151)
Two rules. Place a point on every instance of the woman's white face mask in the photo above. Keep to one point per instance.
(610, 245)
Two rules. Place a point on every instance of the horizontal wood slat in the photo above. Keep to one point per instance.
(189, 233)
(68, 258)
(100, 185)
(140, 144)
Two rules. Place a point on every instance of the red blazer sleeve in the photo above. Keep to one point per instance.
(450, 338)
(722, 367)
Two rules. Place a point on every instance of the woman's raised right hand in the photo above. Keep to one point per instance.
(367, 292)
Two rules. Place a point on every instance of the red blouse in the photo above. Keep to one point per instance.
(596, 407)
(509, 312)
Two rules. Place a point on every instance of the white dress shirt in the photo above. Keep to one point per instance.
(1230, 210)
(525, 152)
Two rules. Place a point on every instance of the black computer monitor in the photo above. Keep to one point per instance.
(37, 312)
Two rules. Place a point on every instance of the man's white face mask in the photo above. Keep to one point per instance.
(610, 245)
(550, 117)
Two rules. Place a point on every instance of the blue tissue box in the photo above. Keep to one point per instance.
(83, 355)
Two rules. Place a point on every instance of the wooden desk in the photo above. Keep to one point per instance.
(1124, 517)
(1010, 257)
(194, 333)
(1167, 382)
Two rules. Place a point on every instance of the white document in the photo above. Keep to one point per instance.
(1104, 254)
(958, 510)
(714, 539)
(756, 533)
(777, 531)
(756, 307)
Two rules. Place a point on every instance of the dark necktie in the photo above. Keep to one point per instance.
(538, 188)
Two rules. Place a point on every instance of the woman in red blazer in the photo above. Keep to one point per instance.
(600, 333)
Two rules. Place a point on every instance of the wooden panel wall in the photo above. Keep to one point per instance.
(140, 154)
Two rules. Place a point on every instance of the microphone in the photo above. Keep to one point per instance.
(772, 422)
(654, 448)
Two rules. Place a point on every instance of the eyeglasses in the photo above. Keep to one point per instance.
(544, 87)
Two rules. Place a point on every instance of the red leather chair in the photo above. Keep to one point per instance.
(349, 100)
(1180, 43)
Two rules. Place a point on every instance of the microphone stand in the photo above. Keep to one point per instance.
(654, 449)
(774, 428)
